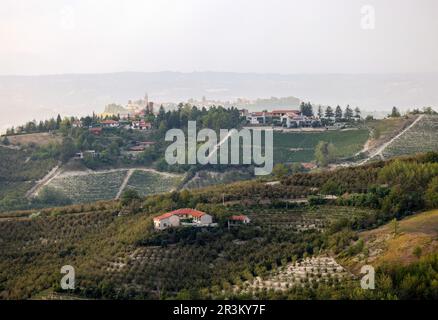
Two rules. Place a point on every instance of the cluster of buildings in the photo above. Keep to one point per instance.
(282, 118)
(110, 124)
(133, 109)
(126, 124)
(131, 117)
(194, 218)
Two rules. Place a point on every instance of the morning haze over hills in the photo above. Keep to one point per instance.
(42, 96)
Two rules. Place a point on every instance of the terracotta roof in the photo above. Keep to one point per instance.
(239, 218)
(95, 130)
(286, 111)
(191, 212)
(257, 114)
(138, 148)
(164, 216)
(293, 115)
(181, 212)
(308, 165)
(109, 122)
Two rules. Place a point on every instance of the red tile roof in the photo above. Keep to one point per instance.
(285, 111)
(109, 122)
(164, 216)
(258, 114)
(95, 130)
(308, 165)
(137, 148)
(239, 218)
(181, 212)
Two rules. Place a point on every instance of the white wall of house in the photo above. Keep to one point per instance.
(206, 219)
(172, 221)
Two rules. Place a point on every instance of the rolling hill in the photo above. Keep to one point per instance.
(416, 236)
(121, 256)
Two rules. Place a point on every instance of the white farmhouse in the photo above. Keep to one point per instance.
(240, 219)
(179, 217)
(165, 221)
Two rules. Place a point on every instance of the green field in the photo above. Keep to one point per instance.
(18, 172)
(300, 146)
(147, 183)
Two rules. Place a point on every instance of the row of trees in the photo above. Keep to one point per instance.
(338, 113)
(395, 112)
(215, 118)
(34, 126)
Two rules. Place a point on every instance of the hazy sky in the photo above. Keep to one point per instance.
(278, 36)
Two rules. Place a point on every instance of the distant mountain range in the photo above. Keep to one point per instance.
(23, 98)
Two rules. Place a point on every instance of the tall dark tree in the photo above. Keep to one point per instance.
(348, 114)
(395, 113)
(306, 109)
(5, 141)
(329, 112)
(58, 121)
(87, 121)
(338, 113)
(320, 112)
(357, 112)
(68, 149)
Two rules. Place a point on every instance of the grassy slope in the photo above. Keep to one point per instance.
(420, 230)
(347, 143)
(41, 139)
(18, 171)
(383, 130)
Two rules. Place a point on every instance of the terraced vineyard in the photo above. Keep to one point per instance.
(147, 183)
(84, 188)
(316, 218)
(303, 273)
(422, 137)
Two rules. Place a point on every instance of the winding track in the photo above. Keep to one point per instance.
(124, 183)
(379, 150)
(33, 192)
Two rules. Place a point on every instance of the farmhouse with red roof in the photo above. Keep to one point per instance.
(96, 131)
(240, 219)
(110, 124)
(179, 217)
